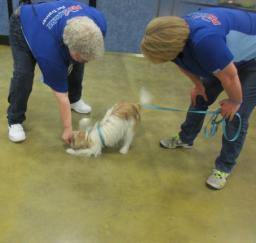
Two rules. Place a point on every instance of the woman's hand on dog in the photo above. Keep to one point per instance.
(67, 135)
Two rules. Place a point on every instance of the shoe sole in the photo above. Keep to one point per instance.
(212, 187)
(81, 112)
(209, 185)
(178, 147)
(16, 140)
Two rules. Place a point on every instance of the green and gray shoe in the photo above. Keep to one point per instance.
(173, 143)
(217, 179)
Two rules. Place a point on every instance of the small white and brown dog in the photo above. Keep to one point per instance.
(117, 127)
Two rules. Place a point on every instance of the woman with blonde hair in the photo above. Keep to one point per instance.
(216, 49)
(60, 36)
(164, 39)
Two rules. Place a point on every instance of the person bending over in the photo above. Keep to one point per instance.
(216, 49)
(59, 36)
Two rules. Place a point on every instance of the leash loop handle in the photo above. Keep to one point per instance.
(212, 125)
(224, 128)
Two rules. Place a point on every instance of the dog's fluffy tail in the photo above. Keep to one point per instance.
(145, 97)
(84, 123)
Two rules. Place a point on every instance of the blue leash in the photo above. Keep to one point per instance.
(102, 140)
(213, 121)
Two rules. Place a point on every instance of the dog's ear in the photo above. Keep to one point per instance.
(88, 140)
(79, 140)
(81, 135)
(72, 143)
(84, 139)
(74, 139)
(137, 109)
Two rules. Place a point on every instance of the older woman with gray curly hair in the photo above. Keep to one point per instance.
(60, 37)
(83, 39)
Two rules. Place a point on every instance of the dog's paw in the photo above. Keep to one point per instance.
(97, 154)
(123, 150)
(71, 151)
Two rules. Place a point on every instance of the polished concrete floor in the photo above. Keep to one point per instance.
(150, 195)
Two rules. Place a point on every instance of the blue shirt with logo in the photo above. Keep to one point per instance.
(218, 36)
(43, 26)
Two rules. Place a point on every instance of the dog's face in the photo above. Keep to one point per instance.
(80, 140)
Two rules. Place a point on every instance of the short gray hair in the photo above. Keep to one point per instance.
(82, 35)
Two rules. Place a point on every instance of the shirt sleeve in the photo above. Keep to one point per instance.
(54, 75)
(212, 53)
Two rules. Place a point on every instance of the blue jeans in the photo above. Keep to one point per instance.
(23, 75)
(194, 122)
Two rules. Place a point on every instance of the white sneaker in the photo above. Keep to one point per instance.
(217, 180)
(16, 133)
(81, 107)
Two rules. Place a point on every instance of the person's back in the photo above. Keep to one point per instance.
(43, 26)
(236, 27)
(230, 33)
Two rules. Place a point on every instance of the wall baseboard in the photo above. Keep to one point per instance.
(4, 40)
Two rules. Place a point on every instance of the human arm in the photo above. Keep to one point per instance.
(65, 114)
(231, 84)
(198, 88)
(215, 57)
(55, 75)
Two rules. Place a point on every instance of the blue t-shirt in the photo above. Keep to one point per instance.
(43, 26)
(218, 36)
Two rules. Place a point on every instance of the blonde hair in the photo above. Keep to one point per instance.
(165, 37)
(82, 35)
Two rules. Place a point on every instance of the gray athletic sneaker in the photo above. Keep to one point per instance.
(173, 143)
(217, 179)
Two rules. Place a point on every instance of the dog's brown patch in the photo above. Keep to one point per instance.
(126, 110)
(80, 140)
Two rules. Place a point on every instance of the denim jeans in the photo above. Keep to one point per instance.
(194, 122)
(23, 75)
